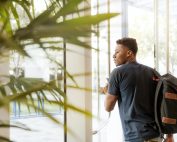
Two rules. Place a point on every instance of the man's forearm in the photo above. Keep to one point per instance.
(169, 138)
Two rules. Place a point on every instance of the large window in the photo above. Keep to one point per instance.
(157, 41)
(102, 63)
(43, 68)
(37, 68)
(153, 24)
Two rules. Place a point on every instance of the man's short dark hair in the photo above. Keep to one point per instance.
(130, 43)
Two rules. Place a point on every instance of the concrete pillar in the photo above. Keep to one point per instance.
(79, 61)
(4, 112)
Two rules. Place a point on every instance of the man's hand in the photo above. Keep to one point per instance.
(104, 89)
(169, 138)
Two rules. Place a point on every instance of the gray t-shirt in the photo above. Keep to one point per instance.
(134, 85)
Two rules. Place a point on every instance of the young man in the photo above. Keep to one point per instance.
(133, 86)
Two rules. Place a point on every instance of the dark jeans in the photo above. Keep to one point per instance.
(141, 140)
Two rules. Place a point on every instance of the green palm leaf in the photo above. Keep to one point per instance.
(62, 29)
(48, 25)
(4, 139)
(15, 14)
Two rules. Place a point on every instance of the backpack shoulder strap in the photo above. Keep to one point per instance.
(156, 74)
(156, 101)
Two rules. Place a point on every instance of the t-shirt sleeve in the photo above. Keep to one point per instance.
(113, 86)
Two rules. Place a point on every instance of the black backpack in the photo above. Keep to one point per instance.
(166, 104)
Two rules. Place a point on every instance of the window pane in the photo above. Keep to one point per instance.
(109, 32)
(37, 67)
(140, 14)
(162, 37)
(172, 38)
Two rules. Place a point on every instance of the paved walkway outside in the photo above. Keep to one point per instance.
(44, 130)
(47, 131)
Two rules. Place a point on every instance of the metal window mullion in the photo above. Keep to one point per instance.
(65, 84)
(109, 41)
(65, 89)
(124, 11)
(98, 62)
(167, 36)
(156, 32)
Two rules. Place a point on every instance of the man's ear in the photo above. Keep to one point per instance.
(129, 53)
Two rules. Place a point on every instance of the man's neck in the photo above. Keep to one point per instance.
(131, 60)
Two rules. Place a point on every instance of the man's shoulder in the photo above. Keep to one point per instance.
(115, 70)
(127, 67)
(136, 67)
(147, 67)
